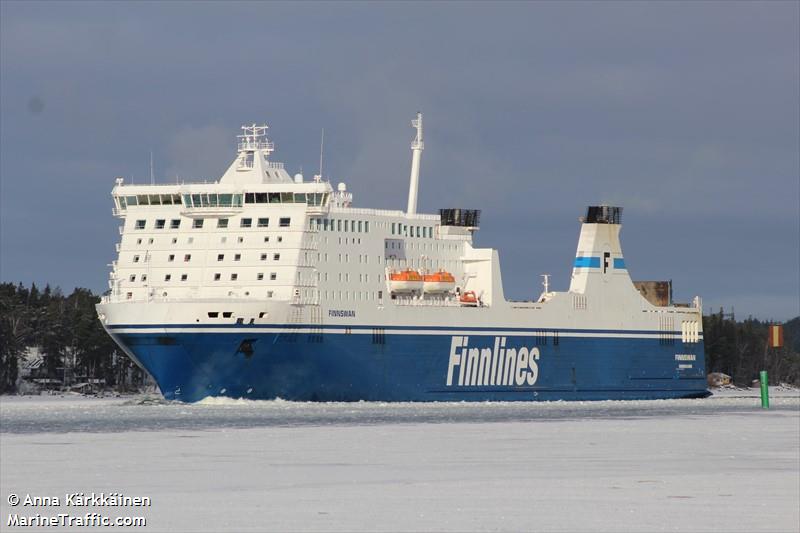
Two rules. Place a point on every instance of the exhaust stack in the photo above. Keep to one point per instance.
(416, 153)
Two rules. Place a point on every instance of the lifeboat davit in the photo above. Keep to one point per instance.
(405, 281)
(469, 299)
(438, 282)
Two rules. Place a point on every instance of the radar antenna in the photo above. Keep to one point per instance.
(255, 138)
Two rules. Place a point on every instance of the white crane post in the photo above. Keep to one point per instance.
(416, 153)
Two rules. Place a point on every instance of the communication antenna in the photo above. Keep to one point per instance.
(321, 147)
(546, 283)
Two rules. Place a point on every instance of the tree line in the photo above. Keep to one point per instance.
(72, 344)
(740, 349)
(67, 336)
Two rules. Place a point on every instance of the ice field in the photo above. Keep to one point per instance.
(717, 464)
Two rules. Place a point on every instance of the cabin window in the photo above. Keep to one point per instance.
(260, 276)
(237, 257)
(160, 223)
(135, 258)
(280, 239)
(263, 222)
(273, 276)
(240, 240)
(220, 257)
(213, 314)
(140, 224)
(276, 257)
(217, 276)
(263, 257)
(175, 223)
(168, 277)
(360, 226)
(338, 225)
(174, 240)
(222, 223)
(171, 257)
(246, 223)
(144, 277)
(197, 223)
(284, 222)
(132, 278)
(269, 294)
(234, 277)
(227, 314)
(187, 258)
(266, 239)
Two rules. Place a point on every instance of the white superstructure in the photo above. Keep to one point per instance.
(261, 246)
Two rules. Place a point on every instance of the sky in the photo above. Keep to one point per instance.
(686, 114)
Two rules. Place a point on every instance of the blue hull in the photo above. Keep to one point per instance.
(342, 366)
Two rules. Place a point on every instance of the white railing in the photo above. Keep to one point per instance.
(381, 212)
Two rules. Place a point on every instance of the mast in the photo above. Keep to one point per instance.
(416, 153)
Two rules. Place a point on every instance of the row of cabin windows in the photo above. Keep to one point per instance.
(220, 257)
(222, 223)
(355, 295)
(331, 224)
(217, 277)
(223, 199)
(311, 198)
(190, 240)
(426, 232)
(270, 294)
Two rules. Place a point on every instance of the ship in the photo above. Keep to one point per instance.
(266, 285)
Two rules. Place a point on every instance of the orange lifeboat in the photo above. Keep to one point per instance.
(405, 281)
(469, 299)
(438, 282)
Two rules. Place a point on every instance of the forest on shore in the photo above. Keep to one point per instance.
(58, 340)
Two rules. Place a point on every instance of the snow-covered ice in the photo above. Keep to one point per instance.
(718, 464)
